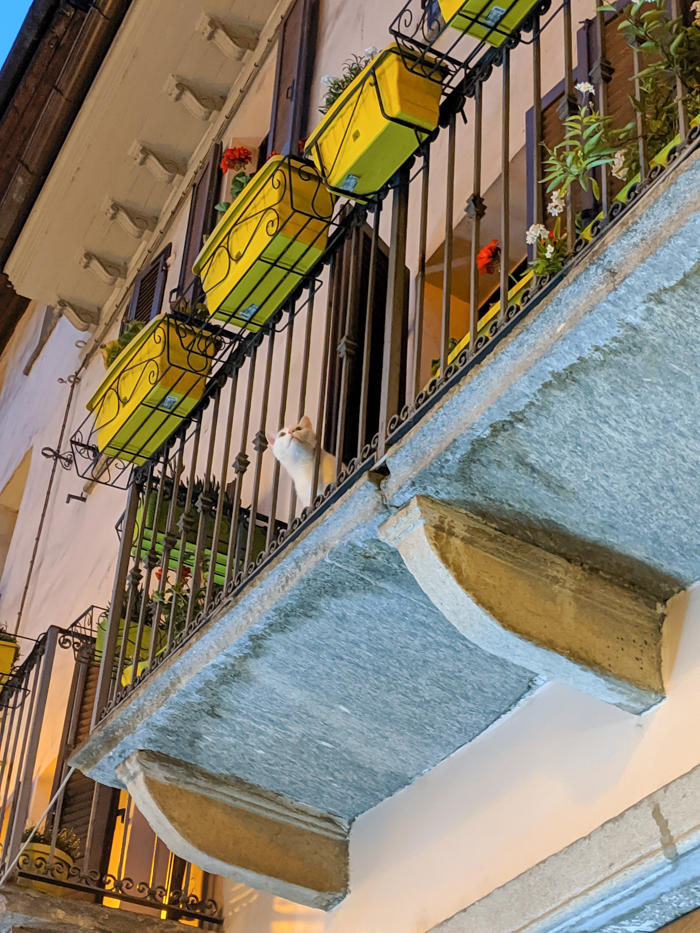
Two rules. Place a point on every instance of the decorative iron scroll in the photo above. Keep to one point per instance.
(59, 870)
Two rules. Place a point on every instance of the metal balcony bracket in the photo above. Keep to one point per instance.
(532, 607)
(262, 839)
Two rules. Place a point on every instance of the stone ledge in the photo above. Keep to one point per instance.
(531, 607)
(23, 909)
(639, 871)
(229, 827)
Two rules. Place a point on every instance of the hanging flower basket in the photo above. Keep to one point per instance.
(491, 20)
(377, 123)
(150, 388)
(267, 241)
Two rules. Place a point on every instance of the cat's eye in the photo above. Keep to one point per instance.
(282, 433)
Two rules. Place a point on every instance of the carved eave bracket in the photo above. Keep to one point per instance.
(160, 166)
(81, 318)
(132, 222)
(262, 839)
(233, 43)
(105, 270)
(531, 607)
(198, 104)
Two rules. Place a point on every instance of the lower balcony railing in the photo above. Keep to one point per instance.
(399, 295)
(60, 832)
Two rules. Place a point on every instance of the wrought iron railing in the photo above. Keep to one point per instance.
(60, 831)
(383, 324)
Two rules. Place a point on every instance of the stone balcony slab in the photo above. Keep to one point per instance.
(335, 678)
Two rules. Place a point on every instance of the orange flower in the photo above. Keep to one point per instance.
(487, 257)
(273, 153)
(236, 158)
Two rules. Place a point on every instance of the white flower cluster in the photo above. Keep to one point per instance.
(619, 169)
(695, 7)
(328, 80)
(535, 233)
(556, 204)
(371, 52)
(549, 252)
(585, 87)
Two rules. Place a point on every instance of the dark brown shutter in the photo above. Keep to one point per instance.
(295, 63)
(202, 220)
(149, 286)
(83, 798)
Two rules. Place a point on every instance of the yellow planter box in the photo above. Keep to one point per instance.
(148, 390)
(266, 242)
(377, 123)
(8, 656)
(35, 860)
(485, 322)
(492, 20)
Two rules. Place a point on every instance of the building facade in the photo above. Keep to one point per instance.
(348, 498)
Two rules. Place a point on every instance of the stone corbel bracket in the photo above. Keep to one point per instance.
(81, 318)
(233, 44)
(235, 829)
(104, 269)
(133, 223)
(161, 167)
(199, 105)
(532, 607)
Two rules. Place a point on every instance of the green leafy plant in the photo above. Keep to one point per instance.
(589, 141)
(7, 636)
(112, 349)
(351, 69)
(66, 841)
(670, 51)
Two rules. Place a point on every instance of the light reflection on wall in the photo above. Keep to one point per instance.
(248, 911)
(297, 919)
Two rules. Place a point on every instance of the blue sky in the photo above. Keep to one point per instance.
(12, 13)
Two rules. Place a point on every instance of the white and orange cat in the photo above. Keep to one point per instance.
(295, 448)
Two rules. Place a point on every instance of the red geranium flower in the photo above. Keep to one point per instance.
(487, 257)
(236, 158)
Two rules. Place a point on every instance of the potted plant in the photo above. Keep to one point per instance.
(36, 858)
(491, 20)
(153, 384)
(375, 117)
(272, 234)
(8, 655)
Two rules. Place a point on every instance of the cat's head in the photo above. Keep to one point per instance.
(294, 441)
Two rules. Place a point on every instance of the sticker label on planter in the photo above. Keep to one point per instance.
(248, 313)
(349, 183)
(169, 402)
(494, 16)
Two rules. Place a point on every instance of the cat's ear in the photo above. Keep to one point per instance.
(305, 422)
(271, 438)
